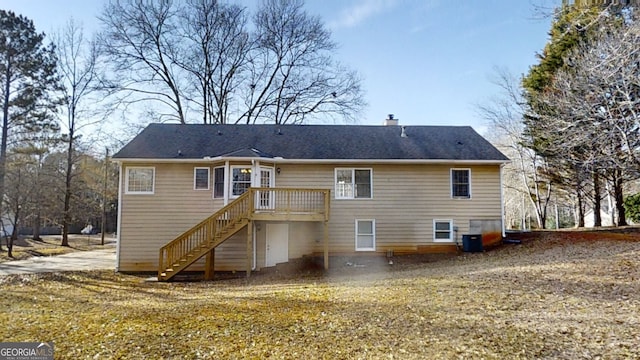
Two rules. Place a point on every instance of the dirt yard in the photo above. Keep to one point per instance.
(25, 247)
(558, 295)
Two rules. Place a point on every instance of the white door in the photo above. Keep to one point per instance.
(277, 244)
(264, 199)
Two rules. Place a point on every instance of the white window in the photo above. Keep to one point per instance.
(218, 182)
(353, 183)
(442, 230)
(461, 183)
(240, 180)
(365, 235)
(201, 178)
(140, 180)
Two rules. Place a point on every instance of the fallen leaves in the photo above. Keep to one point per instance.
(547, 298)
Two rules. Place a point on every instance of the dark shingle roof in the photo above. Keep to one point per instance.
(313, 142)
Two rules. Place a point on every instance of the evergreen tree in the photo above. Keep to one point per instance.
(27, 74)
(575, 27)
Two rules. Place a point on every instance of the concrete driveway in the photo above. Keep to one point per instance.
(76, 261)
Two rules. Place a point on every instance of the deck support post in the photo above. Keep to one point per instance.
(209, 265)
(249, 247)
(326, 244)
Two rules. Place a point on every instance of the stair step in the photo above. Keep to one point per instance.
(212, 238)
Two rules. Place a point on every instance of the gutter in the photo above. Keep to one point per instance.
(312, 161)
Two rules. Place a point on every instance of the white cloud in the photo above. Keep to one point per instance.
(360, 12)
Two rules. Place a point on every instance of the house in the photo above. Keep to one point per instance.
(246, 197)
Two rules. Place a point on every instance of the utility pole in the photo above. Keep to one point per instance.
(104, 195)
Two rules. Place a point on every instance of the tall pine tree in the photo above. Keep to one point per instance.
(27, 76)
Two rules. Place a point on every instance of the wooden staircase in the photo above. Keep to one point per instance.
(198, 241)
(264, 204)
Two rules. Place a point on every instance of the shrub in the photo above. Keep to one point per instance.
(632, 207)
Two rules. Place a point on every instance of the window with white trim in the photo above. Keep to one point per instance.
(240, 180)
(366, 235)
(442, 230)
(140, 180)
(353, 183)
(461, 183)
(218, 182)
(201, 178)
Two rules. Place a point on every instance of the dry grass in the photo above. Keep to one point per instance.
(25, 248)
(560, 296)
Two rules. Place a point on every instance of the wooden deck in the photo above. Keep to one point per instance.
(265, 204)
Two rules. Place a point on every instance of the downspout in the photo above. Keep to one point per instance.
(502, 204)
(119, 220)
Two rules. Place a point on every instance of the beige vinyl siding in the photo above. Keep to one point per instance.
(232, 254)
(406, 199)
(150, 221)
(303, 238)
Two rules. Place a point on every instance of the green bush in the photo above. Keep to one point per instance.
(632, 207)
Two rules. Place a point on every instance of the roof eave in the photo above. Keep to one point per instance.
(313, 161)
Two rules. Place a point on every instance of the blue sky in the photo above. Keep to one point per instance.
(429, 62)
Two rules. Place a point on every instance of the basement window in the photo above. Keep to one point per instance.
(366, 235)
(442, 230)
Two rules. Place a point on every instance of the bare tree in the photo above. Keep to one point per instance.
(527, 168)
(140, 39)
(78, 58)
(205, 54)
(216, 54)
(36, 149)
(292, 73)
(19, 179)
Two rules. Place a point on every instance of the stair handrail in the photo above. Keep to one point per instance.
(215, 229)
(213, 225)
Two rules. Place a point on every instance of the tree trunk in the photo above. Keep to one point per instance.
(14, 233)
(580, 210)
(36, 226)
(619, 199)
(597, 199)
(10, 246)
(12, 238)
(5, 130)
(67, 191)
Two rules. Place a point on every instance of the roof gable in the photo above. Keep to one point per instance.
(310, 142)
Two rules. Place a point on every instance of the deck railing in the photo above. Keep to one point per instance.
(201, 237)
(292, 201)
(209, 233)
